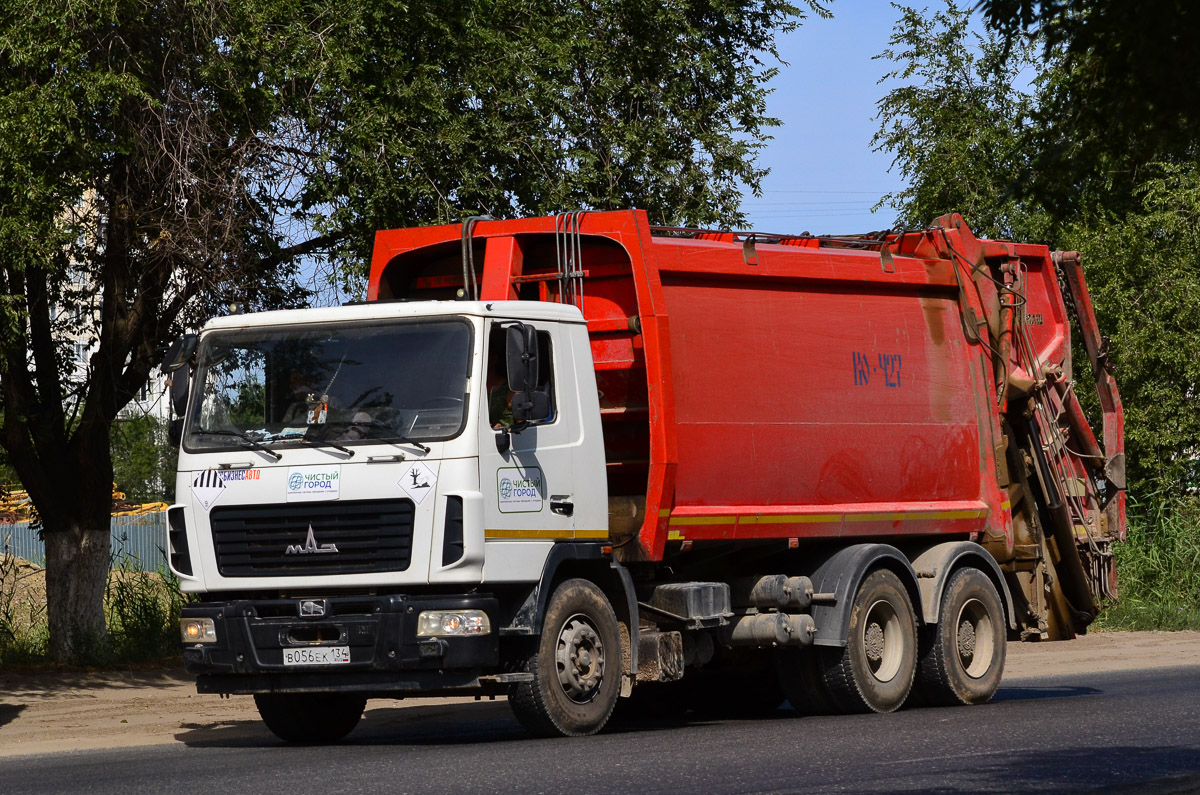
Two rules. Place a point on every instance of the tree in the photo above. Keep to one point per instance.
(525, 107)
(160, 158)
(143, 462)
(957, 125)
(1127, 91)
(1144, 277)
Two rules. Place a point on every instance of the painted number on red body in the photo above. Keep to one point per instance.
(886, 365)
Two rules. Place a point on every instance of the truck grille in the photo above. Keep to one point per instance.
(266, 540)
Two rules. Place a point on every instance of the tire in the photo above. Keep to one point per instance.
(314, 718)
(962, 657)
(800, 677)
(875, 671)
(576, 666)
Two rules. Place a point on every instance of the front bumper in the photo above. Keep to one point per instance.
(386, 656)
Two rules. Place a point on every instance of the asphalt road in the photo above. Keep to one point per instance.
(1134, 731)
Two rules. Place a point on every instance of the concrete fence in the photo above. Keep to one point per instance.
(140, 540)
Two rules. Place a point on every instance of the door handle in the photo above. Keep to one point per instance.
(561, 504)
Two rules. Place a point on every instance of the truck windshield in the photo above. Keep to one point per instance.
(326, 384)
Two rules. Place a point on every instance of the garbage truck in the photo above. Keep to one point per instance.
(584, 462)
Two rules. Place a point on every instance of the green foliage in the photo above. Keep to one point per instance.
(1143, 271)
(1158, 567)
(250, 404)
(143, 614)
(23, 635)
(957, 124)
(518, 107)
(1128, 87)
(143, 460)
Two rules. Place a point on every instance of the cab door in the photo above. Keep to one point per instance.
(528, 489)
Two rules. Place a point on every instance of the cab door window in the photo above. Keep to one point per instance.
(499, 395)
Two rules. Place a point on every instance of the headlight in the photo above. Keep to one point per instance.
(439, 623)
(198, 630)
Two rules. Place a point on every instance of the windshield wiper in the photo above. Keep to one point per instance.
(390, 434)
(318, 442)
(248, 442)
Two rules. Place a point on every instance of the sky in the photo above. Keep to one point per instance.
(824, 177)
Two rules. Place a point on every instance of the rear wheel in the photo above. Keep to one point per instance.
(962, 658)
(874, 672)
(576, 666)
(310, 717)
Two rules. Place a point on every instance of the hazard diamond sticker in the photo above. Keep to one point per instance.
(418, 482)
(207, 488)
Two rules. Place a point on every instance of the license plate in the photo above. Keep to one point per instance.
(321, 655)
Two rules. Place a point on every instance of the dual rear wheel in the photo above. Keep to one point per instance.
(888, 660)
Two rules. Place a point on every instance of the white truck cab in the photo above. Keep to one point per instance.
(354, 491)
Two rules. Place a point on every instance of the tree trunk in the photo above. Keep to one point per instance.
(77, 565)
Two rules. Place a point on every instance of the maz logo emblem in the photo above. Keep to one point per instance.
(311, 547)
(312, 607)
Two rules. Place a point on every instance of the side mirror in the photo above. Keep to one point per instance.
(522, 354)
(530, 406)
(175, 432)
(179, 353)
(179, 392)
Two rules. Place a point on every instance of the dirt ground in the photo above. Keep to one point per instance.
(46, 712)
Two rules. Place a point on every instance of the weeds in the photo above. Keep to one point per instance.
(24, 637)
(141, 610)
(143, 614)
(1158, 567)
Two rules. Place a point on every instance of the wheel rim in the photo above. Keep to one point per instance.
(974, 638)
(580, 658)
(883, 641)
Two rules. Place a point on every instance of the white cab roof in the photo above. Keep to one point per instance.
(382, 310)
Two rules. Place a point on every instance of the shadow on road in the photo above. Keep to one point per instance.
(1112, 769)
(9, 712)
(1032, 693)
(436, 724)
(226, 734)
(49, 682)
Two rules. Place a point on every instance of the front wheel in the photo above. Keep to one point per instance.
(576, 667)
(315, 718)
(874, 673)
(962, 658)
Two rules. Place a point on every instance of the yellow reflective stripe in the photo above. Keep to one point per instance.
(674, 535)
(907, 516)
(1006, 505)
(810, 518)
(664, 512)
(686, 520)
(789, 519)
(546, 534)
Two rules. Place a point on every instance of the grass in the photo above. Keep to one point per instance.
(1158, 567)
(141, 610)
